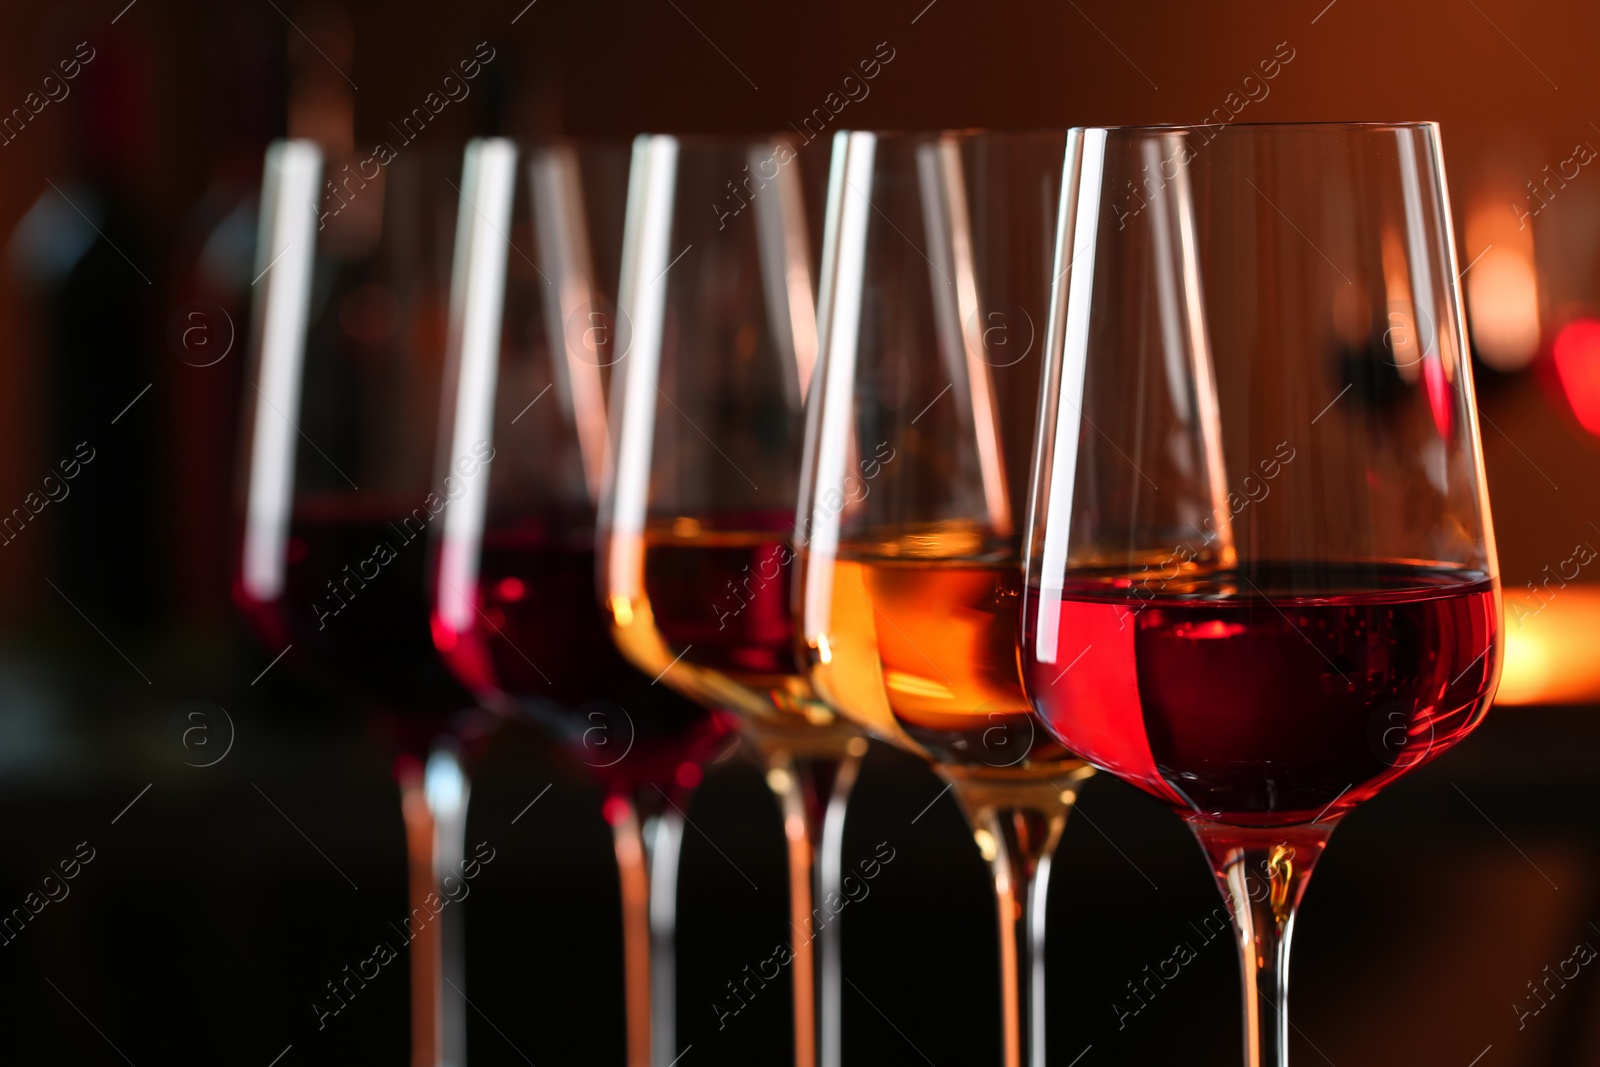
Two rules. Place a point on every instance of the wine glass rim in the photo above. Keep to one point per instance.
(962, 133)
(922, 133)
(1266, 127)
(721, 140)
(548, 140)
(450, 153)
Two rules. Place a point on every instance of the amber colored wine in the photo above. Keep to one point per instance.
(844, 665)
(1283, 695)
(538, 641)
(938, 636)
(717, 605)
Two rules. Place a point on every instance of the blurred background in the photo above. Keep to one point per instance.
(220, 899)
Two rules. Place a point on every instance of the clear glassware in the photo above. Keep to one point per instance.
(515, 613)
(1261, 570)
(934, 299)
(340, 499)
(716, 341)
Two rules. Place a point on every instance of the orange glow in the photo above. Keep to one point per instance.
(1549, 656)
(1577, 355)
(1501, 283)
(1503, 307)
(1404, 335)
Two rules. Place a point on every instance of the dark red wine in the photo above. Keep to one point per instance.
(355, 606)
(540, 642)
(1275, 696)
(538, 630)
(722, 590)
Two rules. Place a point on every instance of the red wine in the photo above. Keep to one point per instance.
(717, 596)
(540, 641)
(538, 628)
(354, 606)
(726, 596)
(1270, 697)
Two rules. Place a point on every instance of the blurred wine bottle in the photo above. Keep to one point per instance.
(213, 268)
(86, 254)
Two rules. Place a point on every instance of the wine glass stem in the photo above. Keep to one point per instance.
(801, 783)
(1262, 874)
(663, 848)
(830, 886)
(633, 869)
(648, 837)
(1017, 825)
(435, 811)
(1019, 894)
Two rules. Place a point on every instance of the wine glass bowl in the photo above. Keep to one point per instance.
(532, 345)
(935, 292)
(720, 340)
(339, 494)
(1202, 698)
(515, 614)
(1261, 575)
(717, 330)
(1276, 477)
(940, 247)
(341, 501)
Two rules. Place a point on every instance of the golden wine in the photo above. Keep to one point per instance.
(923, 647)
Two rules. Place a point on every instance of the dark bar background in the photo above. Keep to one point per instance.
(207, 920)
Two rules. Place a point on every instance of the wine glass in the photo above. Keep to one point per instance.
(515, 612)
(1261, 574)
(933, 303)
(716, 341)
(340, 497)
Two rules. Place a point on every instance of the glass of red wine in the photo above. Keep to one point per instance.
(341, 500)
(532, 348)
(717, 340)
(1261, 576)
